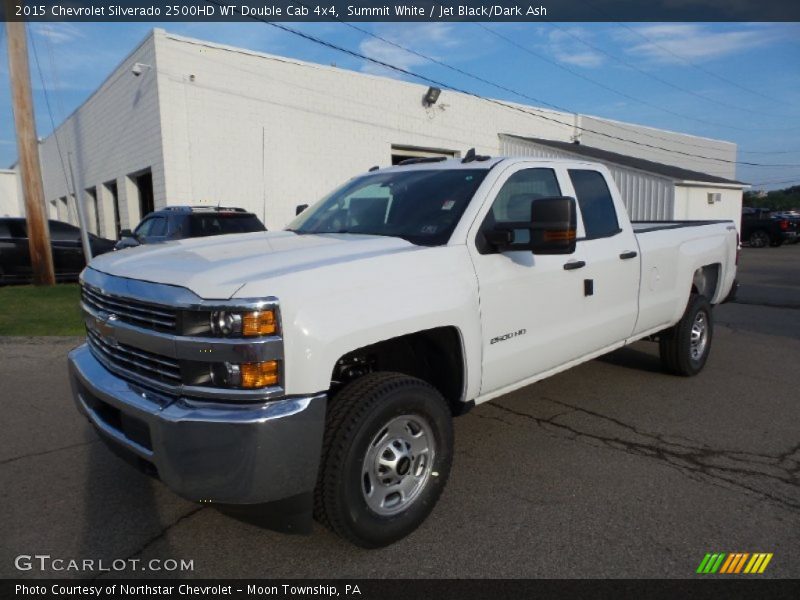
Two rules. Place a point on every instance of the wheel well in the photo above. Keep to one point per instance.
(705, 281)
(434, 355)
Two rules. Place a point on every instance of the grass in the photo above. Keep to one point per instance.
(33, 311)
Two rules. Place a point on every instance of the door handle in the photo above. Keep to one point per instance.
(574, 264)
(629, 254)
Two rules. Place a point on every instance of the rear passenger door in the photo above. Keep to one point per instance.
(611, 252)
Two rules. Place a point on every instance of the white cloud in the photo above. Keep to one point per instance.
(430, 39)
(565, 48)
(58, 33)
(666, 43)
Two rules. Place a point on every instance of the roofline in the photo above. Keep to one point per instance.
(731, 186)
(676, 180)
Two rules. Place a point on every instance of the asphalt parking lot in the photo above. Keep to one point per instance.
(612, 469)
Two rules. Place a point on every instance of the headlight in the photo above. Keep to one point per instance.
(246, 375)
(248, 324)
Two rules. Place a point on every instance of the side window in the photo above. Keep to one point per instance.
(63, 232)
(18, 229)
(513, 202)
(597, 206)
(159, 227)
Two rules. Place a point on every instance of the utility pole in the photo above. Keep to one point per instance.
(28, 148)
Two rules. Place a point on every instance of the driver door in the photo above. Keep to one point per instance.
(530, 305)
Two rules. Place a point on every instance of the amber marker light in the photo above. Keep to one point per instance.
(259, 322)
(258, 375)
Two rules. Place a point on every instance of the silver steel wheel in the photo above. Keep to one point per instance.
(398, 464)
(699, 336)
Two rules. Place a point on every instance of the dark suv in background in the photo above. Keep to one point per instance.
(65, 240)
(178, 222)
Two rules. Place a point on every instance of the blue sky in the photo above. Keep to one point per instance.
(738, 81)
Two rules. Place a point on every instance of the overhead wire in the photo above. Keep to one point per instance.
(653, 76)
(702, 69)
(609, 88)
(49, 110)
(513, 107)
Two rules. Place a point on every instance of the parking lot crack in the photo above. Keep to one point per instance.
(734, 468)
(159, 536)
(46, 452)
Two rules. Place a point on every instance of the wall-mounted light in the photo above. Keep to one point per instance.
(139, 68)
(431, 96)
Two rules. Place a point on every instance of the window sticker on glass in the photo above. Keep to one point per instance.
(448, 204)
(429, 229)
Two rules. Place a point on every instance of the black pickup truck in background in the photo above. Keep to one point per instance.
(761, 229)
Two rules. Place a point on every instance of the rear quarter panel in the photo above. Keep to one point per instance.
(670, 258)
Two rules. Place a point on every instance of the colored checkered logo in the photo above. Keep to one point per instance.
(734, 563)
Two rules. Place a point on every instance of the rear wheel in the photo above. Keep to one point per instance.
(684, 348)
(387, 454)
(759, 239)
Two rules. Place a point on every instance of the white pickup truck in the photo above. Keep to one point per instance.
(317, 369)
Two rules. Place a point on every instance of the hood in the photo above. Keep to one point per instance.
(216, 267)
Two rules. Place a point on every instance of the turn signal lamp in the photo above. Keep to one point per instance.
(258, 375)
(259, 322)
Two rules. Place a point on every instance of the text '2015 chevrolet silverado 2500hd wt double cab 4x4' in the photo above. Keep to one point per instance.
(320, 367)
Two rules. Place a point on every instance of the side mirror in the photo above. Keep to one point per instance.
(554, 225)
(126, 233)
(551, 230)
(300, 208)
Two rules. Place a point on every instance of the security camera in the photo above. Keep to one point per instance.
(139, 68)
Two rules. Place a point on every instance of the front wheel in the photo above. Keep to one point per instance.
(386, 458)
(684, 348)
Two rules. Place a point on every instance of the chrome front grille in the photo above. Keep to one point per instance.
(134, 360)
(135, 312)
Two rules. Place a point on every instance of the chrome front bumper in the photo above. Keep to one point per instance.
(220, 453)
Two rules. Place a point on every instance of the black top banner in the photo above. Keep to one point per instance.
(402, 10)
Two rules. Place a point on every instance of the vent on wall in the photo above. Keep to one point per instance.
(714, 197)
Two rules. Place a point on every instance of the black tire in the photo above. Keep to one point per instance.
(680, 355)
(356, 417)
(759, 239)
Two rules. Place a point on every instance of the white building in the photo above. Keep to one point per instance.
(183, 121)
(11, 204)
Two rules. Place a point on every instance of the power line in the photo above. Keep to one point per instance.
(701, 68)
(663, 81)
(796, 180)
(520, 94)
(430, 80)
(49, 109)
(769, 151)
(609, 88)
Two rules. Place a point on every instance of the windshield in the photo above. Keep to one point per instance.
(222, 223)
(422, 207)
